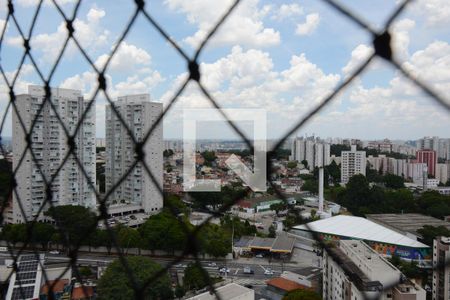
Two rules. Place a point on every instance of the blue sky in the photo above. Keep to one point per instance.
(284, 56)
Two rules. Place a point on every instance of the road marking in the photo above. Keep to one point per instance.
(237, 270)
(262, 268)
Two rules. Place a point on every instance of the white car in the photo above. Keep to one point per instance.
(212, 264)
(268, 272)
(224, 270)
(56, 252)
(259, 256)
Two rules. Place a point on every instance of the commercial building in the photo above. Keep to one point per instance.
(50, 146)
(383, 240)
(429, 158)
(441, 268)
(138, 188)
(353, 270)
(352, 162)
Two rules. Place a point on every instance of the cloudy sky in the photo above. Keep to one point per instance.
(283, 56)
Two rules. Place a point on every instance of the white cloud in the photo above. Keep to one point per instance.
(399, 108)
(89, 33)
(436, 12)
(359, 54)
(247, 79)
(127, 58)
(28, 3)
(2, 24)
(310, 25)
(400, 37)
(244, 26)
(287, 11)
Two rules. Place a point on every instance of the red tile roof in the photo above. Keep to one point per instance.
(285, 284)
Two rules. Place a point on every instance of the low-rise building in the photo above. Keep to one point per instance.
(231, 291)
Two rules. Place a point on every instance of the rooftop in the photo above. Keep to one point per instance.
(361, 229)
(281, 243)
(229, 291)
(407, 222)
(285, 284)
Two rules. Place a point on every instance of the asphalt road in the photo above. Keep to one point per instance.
(236, 269)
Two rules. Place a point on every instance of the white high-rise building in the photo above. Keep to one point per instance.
(314, 151)
(442, 172)
(352, 162)
(137, 190)
(50, 147)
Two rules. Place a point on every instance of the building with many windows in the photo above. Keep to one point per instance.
(50, 146)
(441, 269)
(352, 270)
(138, 188)
(314, 150)
(352, 162)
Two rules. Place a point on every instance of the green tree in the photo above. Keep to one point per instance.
(272, 231)
(334, 171)
(301, 294)
(277, 207)
(393, 181)
(305, 163)
(116, 284)
(214, 240)
(292, 164)
(429, 233)
(74, 221)
(128, 237)
(168, 153)
(40, 233)
(209, 157)
(164, 232)
(14, 233)
(310, 185)
(179, 291)
(195, 277)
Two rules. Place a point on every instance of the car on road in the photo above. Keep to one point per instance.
(224, 270)
(212, 264)
(248, 270)
(180, 266)
(268, 272)
(259, 256)
(55, 252)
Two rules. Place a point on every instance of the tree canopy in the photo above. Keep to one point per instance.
(301, 295)
(116, 284)
(74, 221)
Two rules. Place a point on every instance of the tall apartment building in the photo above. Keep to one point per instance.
(428, 143)
(353, 270)
(315, 151)
(49, 145)
(429, 158)
(352, 162)
(441, 269)
(137, 189)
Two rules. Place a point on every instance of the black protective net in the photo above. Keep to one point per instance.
(382, 48)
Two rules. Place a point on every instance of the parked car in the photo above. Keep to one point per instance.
(259, 255)
(212, 264)
(247, 270)
(55, 252)
(268, 272)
